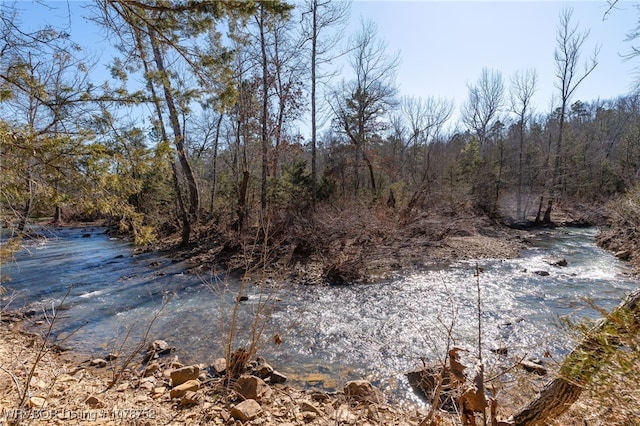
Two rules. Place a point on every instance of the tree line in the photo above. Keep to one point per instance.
(200, 123)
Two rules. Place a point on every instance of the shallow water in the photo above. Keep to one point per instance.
(376, 331)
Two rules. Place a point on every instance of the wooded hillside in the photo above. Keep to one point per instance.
(200, 124)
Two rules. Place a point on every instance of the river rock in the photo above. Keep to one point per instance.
(219, 366)
(532, 367)
(37, 402)
(277, 377)
(344, 416)
(623, 254)
(363, 390)
(151, 369)
(190, 398)
(425, 381)
(174, 364)
(180, 390)
(252, 387)
(306, 406)
(246, 410)
(146, 385)
(181, 375)
(541, 273)
(264, 371)
(93, 402)
(159, 347)
(555, 261)
(98, 363)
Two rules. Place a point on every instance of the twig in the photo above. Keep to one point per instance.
(506, 370)
(479, 300)
(14, 378)
(434, 404)
(41, 352)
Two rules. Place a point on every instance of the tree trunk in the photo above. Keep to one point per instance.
(242, 200)
(371, 174)
(264, 134)
(547, 213)
(26, 211)
(519, 213)
(579, 367)
(57, 216)
(314, 41)
(174, 119)
(214, 178)
(184, 215)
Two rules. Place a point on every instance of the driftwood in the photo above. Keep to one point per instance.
(580, 366)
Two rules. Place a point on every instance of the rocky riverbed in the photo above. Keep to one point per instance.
(64, 390)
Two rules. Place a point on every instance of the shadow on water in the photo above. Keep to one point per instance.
(329, 334)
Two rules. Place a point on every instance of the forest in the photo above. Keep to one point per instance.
(224, 134)
(199, 127)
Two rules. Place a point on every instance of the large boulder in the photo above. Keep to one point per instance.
(363, 390)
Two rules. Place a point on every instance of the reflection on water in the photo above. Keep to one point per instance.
(330, 334)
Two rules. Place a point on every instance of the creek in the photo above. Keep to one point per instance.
(329, 334)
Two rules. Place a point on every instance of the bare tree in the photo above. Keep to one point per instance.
(485, 100)
(361, 104)
(274, 59)
(634, 53)
(287, 86)
(319, 17)
(264, 130)
(425, 117)
(523, 87)
(481, 115)
(570, 75)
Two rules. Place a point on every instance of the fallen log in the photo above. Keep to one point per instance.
(581, 365)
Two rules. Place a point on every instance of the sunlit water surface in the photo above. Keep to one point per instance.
(374, 331)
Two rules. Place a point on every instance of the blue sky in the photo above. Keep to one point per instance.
(445, 44)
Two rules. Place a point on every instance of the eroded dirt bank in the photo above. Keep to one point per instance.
(343, 247)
